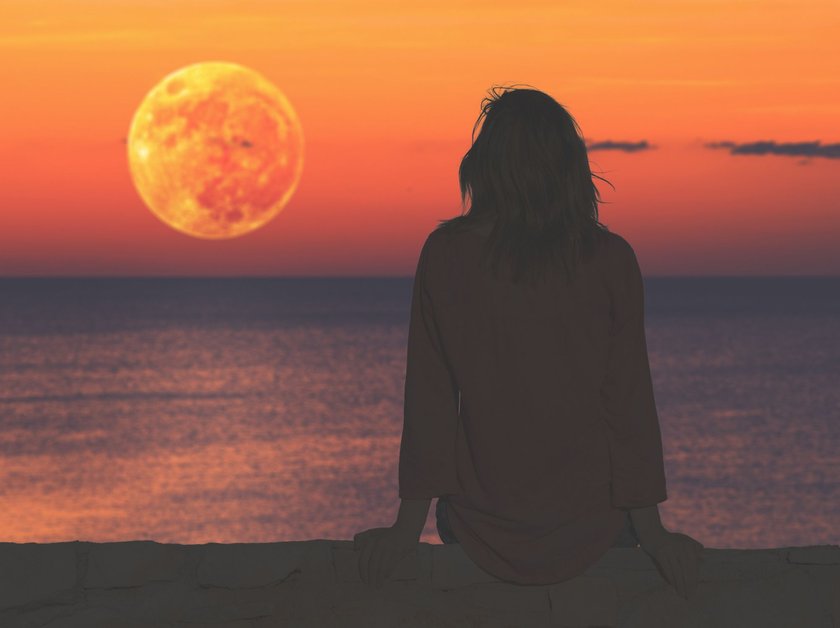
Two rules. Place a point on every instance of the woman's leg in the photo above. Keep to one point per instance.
(626, 538)
(443, 528)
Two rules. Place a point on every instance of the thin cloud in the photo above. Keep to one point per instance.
(795, 149)
(628, 147)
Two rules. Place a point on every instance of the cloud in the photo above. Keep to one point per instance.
(628, 147)
(796, 149)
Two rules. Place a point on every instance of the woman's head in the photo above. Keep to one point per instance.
(528, 172)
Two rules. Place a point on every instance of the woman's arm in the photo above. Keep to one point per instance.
(412, 516)
(647, 523)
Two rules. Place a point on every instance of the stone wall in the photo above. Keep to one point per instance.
(316, 583)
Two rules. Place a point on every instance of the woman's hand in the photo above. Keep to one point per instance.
(382, 550)
(677, 557)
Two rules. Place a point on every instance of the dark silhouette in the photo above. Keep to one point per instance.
(529, 408)
(528, 173)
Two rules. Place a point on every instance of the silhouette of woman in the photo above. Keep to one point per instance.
(529, 408)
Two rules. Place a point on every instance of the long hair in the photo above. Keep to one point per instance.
(528, 171)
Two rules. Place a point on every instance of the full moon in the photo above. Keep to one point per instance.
(215, 150)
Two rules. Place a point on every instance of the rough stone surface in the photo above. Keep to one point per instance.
(815, 555)
(132, 564)
(143, 584)
(585, 600)
(33, 572)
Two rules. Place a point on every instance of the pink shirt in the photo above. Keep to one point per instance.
(530, 408)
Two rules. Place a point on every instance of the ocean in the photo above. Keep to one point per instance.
(260, 410)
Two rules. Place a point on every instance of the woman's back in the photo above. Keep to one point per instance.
(530, 406)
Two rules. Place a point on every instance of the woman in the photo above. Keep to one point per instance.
(529, 409)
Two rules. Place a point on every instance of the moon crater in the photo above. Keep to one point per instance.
(215, 150)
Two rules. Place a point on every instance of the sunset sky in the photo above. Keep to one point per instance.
(734, 103)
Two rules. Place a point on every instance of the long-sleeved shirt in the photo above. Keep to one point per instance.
(530, 408)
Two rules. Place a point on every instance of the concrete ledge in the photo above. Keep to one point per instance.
(140, 584)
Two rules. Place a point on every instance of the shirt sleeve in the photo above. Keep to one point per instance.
(635, 442)
(430, 414)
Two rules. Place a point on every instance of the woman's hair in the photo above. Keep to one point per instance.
(528, 171)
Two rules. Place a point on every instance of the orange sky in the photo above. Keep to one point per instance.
(387, 94)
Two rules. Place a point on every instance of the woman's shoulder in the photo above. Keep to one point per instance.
(619, 249)
(610, 247)
(442, 238)
(611, 238)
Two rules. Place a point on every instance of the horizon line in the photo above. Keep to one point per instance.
(401, 277)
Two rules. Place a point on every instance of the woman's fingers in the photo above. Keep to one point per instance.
(376, 568)
(693, 571)
(685, 570)
(688, 559)
(372, 563)
(367, 560)
(373, 574)
(678, 558)
(684, 567)
(664, 563)
(364, 564)
(675, 568)
(689, 570)
(696, 558)
(675, 571)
